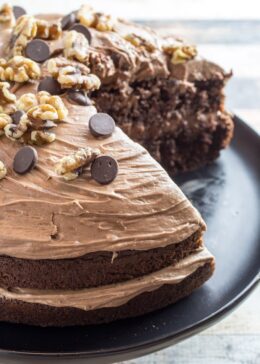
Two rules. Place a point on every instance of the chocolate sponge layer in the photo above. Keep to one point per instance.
(43, 315)
(181, 123)
(93, 269)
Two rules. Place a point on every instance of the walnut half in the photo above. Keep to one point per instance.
(68, 166)
(19, 69)
(180, 52)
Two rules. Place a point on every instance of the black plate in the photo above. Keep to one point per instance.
(227, 194)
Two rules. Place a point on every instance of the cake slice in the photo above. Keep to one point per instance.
(92, 229)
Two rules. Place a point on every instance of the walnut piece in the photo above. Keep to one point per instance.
(100, 21)
(27, 101)
(7, 99)
(43, 112)
(4, 120)
(180, 52)
(76, 46)
(3, 170)
(41, 137)
(16, 131)
(68, 166)
(24, 31)
(73, 75)
(140, 42)
(7, 15)
(46, 30)
(19, 69)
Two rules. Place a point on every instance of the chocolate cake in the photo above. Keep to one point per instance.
(92, 228)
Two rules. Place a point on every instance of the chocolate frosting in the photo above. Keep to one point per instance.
(44, 217)
(112, 295)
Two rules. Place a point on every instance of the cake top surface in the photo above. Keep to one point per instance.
(56, 205)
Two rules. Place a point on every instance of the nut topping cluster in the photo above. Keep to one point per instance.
(71, 74)
(19, 69)
(39, 113)
(7, 15)
(7, 99)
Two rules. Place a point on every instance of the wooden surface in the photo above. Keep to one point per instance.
(236, 339)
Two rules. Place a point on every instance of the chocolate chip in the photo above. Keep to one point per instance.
(68, 21)
(18, 11)
(50, 85)
(37, 50)
(78, 97)
(16, 116)
(25, 160)
(83, 30)
(101, 125)
(104, 169)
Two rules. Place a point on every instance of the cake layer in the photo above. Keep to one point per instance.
(107, 303)
(93, 269)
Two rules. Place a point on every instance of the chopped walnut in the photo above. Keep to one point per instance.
(43, 97)
(76, 46)
(68, 166)
(24, 31)
(100, 21)
(7, 99)
(27, 101)
(7, 15)
(16, 131)
(3, 170)
(46, 30)
(43, 112)
(4, 120)
(73, 75)
(86, 15)
(104, 22)
(41, 137)
(140, 42)
(180, 52)
(19, 69)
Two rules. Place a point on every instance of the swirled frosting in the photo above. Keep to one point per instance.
(112, 295)
(44, 217)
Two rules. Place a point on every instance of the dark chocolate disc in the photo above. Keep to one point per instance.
(104, 169)
(50, 85)
(101, 125)
(78, 97)
(25, 160)
(37, 50)
(68, 21)
(16, 116)
(83, 30)
(18, 11)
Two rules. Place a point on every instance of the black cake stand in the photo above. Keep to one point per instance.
(227, 194)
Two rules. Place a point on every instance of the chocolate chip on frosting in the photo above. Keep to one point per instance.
(18, 11)
(37, 50)
(25, 160)
(101, 125)
(104, 169)
(16, 116)
(68, 21)
(83, 30)
(50, 85)
(78, 97)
